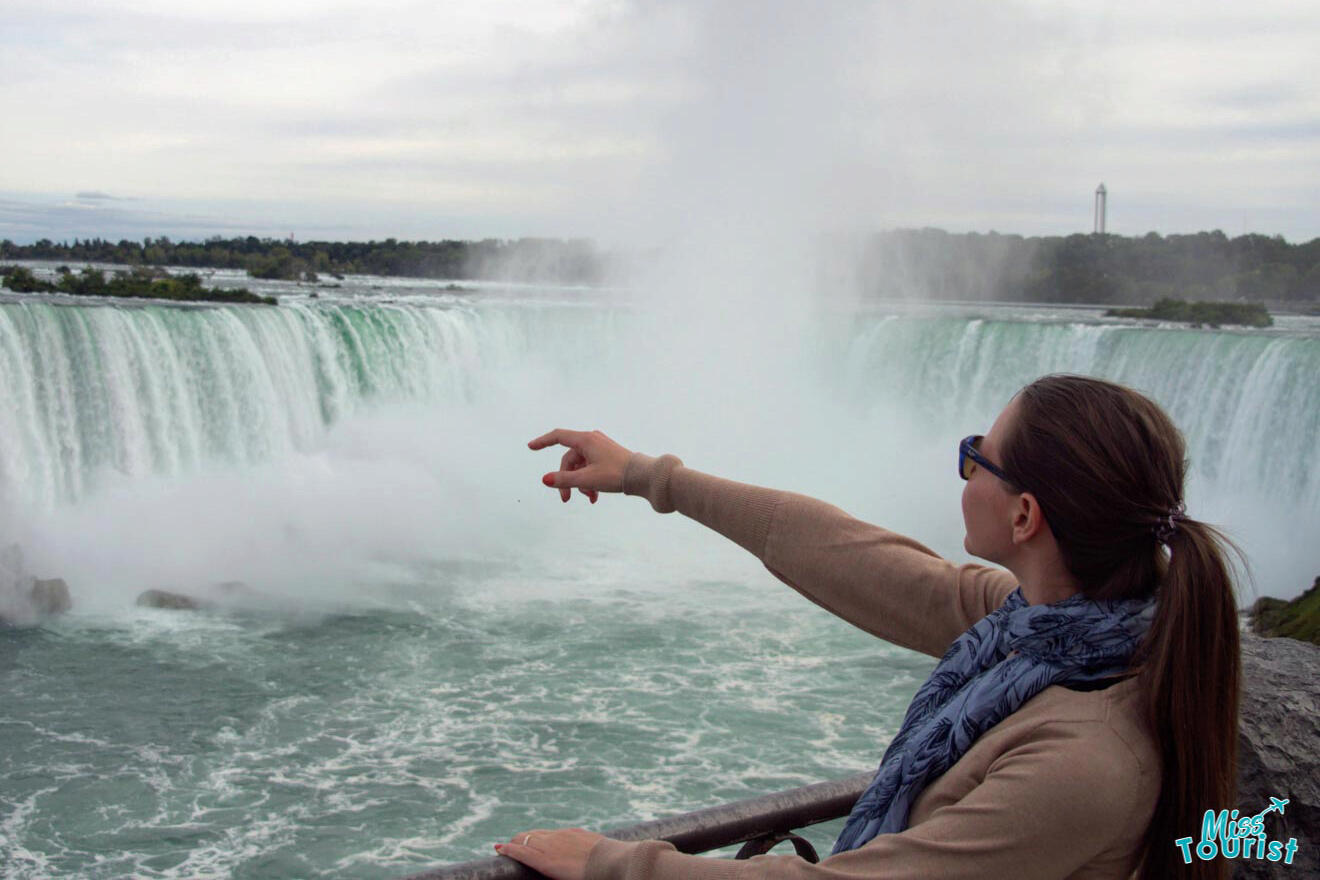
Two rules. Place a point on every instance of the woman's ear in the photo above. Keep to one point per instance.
(1028, 520)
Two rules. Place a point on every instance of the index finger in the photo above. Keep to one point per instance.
(558, 435)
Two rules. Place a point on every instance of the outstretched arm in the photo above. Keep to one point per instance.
(878, 580)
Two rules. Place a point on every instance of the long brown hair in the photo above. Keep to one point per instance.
(1107, 467)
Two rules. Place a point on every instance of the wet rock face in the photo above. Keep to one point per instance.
(50, 596)
(172, 601)
(25, 600)
(1279, 749)
(31, 599)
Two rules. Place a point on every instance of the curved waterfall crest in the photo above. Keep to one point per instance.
(159, 390)
(1248, 404)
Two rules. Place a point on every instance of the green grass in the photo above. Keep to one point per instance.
(1298, 619)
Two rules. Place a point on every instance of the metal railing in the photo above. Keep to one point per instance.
(758, 823)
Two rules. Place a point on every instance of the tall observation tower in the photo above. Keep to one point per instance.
(1100, 194)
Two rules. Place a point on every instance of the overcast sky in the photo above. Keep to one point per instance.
(623, 120)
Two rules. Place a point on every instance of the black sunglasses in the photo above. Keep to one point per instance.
(967, 451)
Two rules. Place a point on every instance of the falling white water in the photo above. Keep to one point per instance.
(355, 427)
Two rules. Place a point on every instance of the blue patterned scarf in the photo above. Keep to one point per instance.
(976, 685)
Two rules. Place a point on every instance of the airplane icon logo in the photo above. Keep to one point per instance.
(1276, 806)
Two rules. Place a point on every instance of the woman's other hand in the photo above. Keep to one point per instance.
(561, 855)
(593, 463)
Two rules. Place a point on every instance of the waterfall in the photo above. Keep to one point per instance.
(106, 393)
(159, 390)
(1248, 404)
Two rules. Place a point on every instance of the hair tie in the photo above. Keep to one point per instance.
(1167, 526)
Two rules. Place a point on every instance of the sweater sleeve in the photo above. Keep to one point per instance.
(1043, 811)
(884, 583)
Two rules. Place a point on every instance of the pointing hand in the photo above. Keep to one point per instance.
(593, 463)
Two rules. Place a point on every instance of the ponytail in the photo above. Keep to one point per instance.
(1190, 671)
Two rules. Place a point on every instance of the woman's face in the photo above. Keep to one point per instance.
(988, 503)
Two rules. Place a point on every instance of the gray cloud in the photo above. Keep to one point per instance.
(627, 118)
(27, 219)
(98, 196)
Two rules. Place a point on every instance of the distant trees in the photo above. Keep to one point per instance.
(138, 283)
(573, 261)
(1212, 314)
(21, 280)
(930, 263)
(1092, 268)
(280, 263)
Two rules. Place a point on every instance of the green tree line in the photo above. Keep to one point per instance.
(528, 259)
(1137, 270)
(138, 283)
(1110, 269)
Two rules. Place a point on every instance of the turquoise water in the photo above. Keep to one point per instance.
(371, 742)
(429, 651)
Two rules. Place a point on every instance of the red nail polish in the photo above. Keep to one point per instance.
(548, 479)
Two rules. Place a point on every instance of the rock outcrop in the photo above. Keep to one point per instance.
(50, 596)
(27, 600)
(219, 595)
(1279, 749)
(172, 601)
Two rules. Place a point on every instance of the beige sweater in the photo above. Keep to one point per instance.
(1064, 787)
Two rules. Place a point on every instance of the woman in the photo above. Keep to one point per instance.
(1084, 713)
